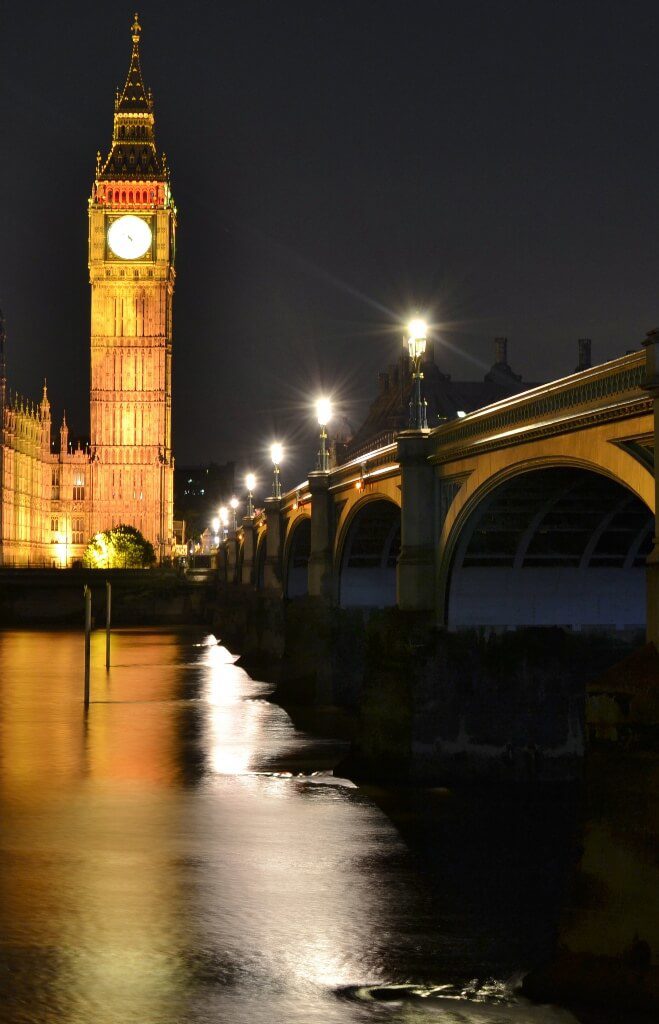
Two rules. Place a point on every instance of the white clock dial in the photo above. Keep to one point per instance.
(129, 237)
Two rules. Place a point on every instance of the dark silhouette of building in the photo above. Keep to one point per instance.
(199, 491)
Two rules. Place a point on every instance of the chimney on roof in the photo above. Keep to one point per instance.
(584, 355)
(501, 351)
(500, 372)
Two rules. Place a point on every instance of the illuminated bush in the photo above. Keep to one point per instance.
(122, 547)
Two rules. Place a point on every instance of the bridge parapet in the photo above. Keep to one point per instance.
(612, 390)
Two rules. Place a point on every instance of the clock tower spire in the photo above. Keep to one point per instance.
(132, 222)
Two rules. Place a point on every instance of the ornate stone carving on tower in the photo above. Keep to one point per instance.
(132, 223)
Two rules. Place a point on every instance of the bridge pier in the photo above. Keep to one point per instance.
(247, 571)
(272, 570)
(230, 559)
(651, 344)
(320, 571)
(416, 562)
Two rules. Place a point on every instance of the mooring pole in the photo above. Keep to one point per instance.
(88, 631)
(108, 621)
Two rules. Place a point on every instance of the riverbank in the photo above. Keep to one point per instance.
(140, 597)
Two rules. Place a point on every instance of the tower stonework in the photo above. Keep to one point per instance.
(132, 223)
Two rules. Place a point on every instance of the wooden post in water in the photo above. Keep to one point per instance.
(108, 621)
(88, 630)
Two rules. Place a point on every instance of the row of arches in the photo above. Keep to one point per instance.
(559, 545)
(136, 197)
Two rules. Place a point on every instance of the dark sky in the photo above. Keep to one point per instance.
(335, 166)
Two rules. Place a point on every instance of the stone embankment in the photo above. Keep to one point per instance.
(428, 704)
(140, 597)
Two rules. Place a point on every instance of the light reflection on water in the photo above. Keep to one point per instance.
(166, 859)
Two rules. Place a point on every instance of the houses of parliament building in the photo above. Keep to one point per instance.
(54, 499)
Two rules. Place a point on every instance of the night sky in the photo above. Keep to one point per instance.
(336, 166)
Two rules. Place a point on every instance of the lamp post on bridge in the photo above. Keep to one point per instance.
(234, 503)
(250, 484)
(224, 520)
(276, 452)
(416, 343)
(323, 415)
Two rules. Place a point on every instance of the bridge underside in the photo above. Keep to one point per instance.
(556, 546)
(296, 579)
(368, 564)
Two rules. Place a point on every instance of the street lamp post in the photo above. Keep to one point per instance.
(234, 510)
(276, 452)
(323, 415)
(216, 530)
(224, 520)
(416, 343)
(250, 484)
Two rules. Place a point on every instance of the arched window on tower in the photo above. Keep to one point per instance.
(130, 197)
(123, 197)
(144, 197)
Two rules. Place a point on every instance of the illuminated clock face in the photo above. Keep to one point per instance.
(129, 237)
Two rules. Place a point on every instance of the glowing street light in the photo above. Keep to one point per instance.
(416, 343)
(234, 503)
(250, 484)
(276, 452)
(215, 524)
(323, 415)
(224, 520)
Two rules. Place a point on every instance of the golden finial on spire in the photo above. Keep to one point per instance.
(136, 28)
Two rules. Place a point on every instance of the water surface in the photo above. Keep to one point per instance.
(181, 854)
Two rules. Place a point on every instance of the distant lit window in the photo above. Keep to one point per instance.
(79, 487)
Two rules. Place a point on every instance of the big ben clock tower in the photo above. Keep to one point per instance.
(132, 222)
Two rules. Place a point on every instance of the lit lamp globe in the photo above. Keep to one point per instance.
(417, 331)
(224, 518)
(215, 524)
(234, 503)
(323, 411)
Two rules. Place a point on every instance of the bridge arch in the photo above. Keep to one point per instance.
(551, 542)
(367, 550)
(297, 550)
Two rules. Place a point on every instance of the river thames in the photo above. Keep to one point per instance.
(182, 854)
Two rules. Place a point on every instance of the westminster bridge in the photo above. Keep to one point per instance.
(536, 510)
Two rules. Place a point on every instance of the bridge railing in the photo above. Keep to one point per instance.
(613, 388)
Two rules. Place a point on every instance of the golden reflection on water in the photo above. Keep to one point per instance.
(154, 869)
(120, 883)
